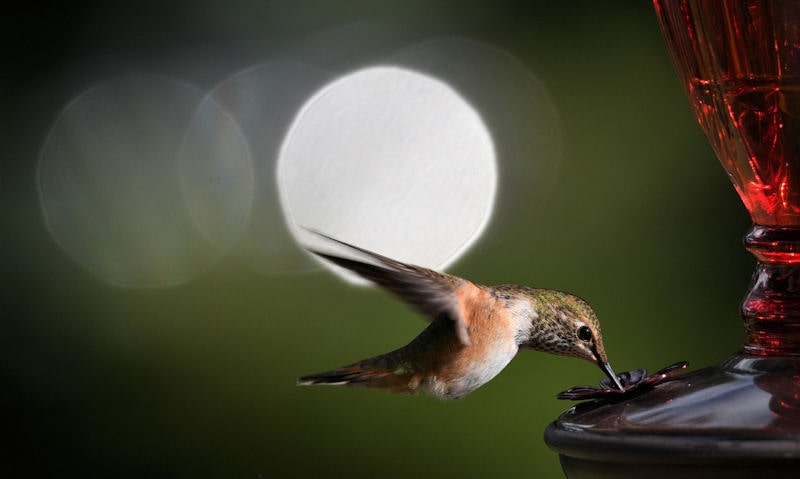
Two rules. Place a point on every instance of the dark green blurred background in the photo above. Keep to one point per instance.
(198, 380)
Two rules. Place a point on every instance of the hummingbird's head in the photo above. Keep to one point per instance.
(563, 324)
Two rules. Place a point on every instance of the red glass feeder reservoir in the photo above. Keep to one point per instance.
(739, 63)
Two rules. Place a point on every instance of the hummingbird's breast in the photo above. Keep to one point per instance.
(458, 370)
(475, 375)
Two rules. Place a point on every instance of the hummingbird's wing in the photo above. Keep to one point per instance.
(430, 292)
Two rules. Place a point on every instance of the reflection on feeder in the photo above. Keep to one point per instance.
(635, 381)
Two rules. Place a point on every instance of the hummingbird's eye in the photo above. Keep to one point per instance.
(585, 334)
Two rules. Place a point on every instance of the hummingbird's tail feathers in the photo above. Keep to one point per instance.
(335, 377)
(364, 374)
(430, 292)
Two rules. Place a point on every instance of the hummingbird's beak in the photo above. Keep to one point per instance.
(600, 357)
(610, 373)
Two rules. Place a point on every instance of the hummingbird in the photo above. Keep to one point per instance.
(474, 332)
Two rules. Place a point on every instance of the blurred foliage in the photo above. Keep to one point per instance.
(199, 380)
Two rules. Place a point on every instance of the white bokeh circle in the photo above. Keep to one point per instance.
(390, 160)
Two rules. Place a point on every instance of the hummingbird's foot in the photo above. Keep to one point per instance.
(636, 380)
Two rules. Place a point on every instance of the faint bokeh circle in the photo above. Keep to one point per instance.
(263, 100)
(114, 192)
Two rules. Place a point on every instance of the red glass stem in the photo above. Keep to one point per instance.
(771, 308)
